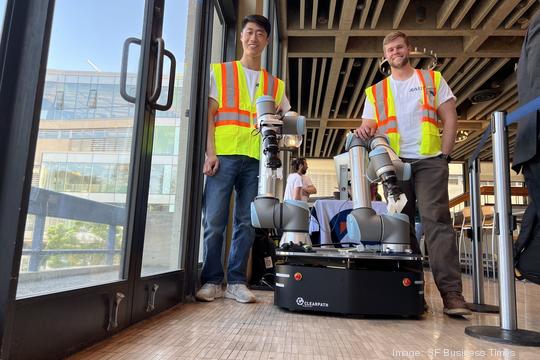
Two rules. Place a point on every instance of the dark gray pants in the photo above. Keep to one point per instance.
(428, 188)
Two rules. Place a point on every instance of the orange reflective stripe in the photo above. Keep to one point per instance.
(421, 77)
(430, 120)
(276, 84)
(385, 96)
(386, 121)
(391, 130)
(224, 84)
(265, 80)
(429, 107)
(231, 122)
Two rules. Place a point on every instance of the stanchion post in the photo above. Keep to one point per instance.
(503, 216)
(508, 332)
(476, 224)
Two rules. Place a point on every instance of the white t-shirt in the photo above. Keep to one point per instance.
(294, 181)
(252, 80)
(306, 180)
(407, 101)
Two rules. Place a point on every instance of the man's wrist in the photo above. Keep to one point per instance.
(447, 157)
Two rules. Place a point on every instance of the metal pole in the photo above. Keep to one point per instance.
(501, 170)
(359, 160)
(507, 333)
(476, 224)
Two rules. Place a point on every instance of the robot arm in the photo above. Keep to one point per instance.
(267, 212)
(380, 164)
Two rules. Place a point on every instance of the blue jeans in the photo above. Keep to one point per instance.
(240, 173)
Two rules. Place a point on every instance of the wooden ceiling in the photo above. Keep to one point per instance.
(333, 48)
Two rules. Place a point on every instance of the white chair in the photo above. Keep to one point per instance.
(490, 252)
(464, 246)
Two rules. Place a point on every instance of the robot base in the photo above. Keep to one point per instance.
(364, 284)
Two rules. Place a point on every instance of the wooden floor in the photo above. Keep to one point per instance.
(225, 329)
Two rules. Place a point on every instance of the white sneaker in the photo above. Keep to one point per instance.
(240, 293)
(209, 292)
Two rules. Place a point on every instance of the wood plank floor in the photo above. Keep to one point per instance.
(225, 329)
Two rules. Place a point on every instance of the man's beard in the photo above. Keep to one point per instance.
(402, 64)
(303, 171)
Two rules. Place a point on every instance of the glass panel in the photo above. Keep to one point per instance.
(163, 238)
(77, 212)
(3, 4)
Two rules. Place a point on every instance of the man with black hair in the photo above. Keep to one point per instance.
(232, 159)
(299, 185)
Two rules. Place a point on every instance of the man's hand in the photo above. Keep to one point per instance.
(211, 165)
(367, 129)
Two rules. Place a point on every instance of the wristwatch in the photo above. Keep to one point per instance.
(446, 157)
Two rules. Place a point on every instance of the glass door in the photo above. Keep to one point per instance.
(103, 239)
(77, 217)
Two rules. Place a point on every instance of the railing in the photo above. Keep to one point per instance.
(46, 203)
(486, 190)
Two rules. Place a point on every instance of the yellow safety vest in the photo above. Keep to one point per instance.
(381, 97)
(235, 119)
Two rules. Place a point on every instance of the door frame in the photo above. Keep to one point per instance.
(22, 79)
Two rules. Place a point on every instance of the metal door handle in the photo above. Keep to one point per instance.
(123, 71)
(172, 74)
(152, 298)
(113, 313)
(156, 91)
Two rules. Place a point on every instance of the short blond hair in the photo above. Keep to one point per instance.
(393, 36)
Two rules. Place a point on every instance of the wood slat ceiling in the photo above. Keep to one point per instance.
(333, 48)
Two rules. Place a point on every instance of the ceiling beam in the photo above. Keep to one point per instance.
(321, 81)
(497, 105)
(460, 74)
(348, 10)
(353, 124)
(314, 14)
(365, 12)
(470, 73)
(462, 11)
(344, 83)
(521, 9)
(302, 13)
(493, 21)
(331, 14)
(282, 16)
(366, 64)
(481, 11)
(342, 142)
(491, 69)
(334, 135)
(312, 85)
(376, 13)
(299, 108)
(445, 11)
(508, 84)
(398, 13)
(453, 68)
(369, 81)
(411, 32)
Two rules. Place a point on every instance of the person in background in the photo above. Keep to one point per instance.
(299, 185)
(527, 151)
(232, 160)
